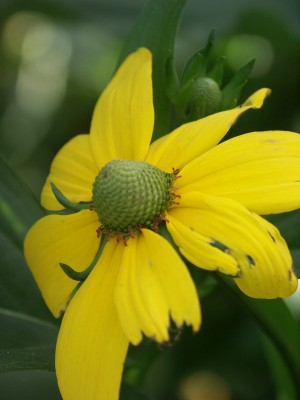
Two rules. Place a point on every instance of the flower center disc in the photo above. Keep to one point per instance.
(130, 195)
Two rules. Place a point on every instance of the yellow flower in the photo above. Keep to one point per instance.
(210, 209)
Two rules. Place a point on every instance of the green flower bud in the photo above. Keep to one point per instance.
(204, 98)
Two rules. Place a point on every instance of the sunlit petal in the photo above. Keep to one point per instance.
(193, 139)
(260, 252)
(260, 170)
(153, 285)
(123, 119)
(91, 346)
(73, 171)
(68, 239)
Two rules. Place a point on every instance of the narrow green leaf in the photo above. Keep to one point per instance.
(30, 358)
(281, 378)
(18, 211)
(18, 208)
(156, 29)
(276, 321)
(217, 71)
(27, 339)
(172, 81)
(26, 343)
(196, 66)
(29, 385)
(232, 90)
(18, 290)
(127, 393)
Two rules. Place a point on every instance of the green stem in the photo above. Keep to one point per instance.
(284, 346)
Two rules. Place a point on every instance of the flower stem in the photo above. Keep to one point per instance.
(275, 320)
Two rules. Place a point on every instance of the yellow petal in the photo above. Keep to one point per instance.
(261, 253)
(199, 249)
(277, 275)
(260, 170)
(73, 171)
(191, 140)
(123, 119)
(69, 239)
(154, 284)
(91, 346)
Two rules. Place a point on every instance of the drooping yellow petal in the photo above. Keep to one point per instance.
(199, 249)
(73, 171)
(68, 239)
(191, 140)
(123, 119)
(154, 284)
(285, 280)
(91, 346)
(260, 170)
(260, 252)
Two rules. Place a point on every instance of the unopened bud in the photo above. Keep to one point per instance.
(204, 98)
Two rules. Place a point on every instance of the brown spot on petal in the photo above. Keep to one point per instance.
(270, 140)
(272, 237)
(250, 260)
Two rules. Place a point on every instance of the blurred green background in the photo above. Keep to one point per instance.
(55, 58)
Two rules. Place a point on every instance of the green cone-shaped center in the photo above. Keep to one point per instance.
(130, 194)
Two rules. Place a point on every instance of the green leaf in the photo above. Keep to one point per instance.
(127, 393)
(155, 29)
(172, 81)
(27, 337)
(18, 290)
(281, 378)
(18, 211)
(277, 323)
(196, 66)
(29, 385)
(232, 90)
(26, 343)
(217, 71)
(18, 208)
